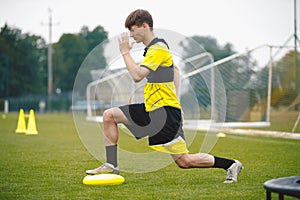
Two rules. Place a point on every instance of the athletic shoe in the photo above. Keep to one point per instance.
(106, 168)
(233, 172)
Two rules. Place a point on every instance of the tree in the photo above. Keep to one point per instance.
(284, 89)
(71, 50)
(24, 56)
(94, 37)
(211, 45)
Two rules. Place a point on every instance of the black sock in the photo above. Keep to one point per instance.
(223, 163)
(111, 155)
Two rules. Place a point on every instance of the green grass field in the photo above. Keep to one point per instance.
(51, 165)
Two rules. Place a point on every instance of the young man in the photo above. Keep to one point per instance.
(159, 117)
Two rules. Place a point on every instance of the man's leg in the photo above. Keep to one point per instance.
(203, 160)
(111, 118)
(199, 160)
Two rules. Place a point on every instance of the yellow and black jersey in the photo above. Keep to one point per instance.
(159, 90)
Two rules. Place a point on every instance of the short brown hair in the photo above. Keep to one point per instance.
(138, 17)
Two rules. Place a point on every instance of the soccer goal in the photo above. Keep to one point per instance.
(231, 92)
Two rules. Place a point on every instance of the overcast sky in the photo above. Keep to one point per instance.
(243, 23)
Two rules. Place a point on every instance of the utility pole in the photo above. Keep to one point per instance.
(50, 53)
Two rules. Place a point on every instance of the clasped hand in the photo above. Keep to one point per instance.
(124, 44)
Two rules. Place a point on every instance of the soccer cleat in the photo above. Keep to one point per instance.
(233, 172)
(106, 168)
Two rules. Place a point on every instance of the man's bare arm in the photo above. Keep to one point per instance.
(136, 72)
(177, 80)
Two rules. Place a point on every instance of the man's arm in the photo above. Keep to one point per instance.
(136, 72)
(177, 80)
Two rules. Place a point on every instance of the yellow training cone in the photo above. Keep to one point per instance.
(31, 127)
(21, 127)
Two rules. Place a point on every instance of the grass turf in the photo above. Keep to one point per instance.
(51, 165)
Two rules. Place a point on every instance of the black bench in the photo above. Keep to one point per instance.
(289, 186)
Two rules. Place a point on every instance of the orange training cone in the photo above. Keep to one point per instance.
(21, 127)
(31, 127)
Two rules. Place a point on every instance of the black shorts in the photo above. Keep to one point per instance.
(161, 125)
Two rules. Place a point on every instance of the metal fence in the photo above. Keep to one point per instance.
(40, 103)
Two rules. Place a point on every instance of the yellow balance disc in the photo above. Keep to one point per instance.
(103, 179)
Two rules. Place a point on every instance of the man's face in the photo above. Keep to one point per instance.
(137, 33)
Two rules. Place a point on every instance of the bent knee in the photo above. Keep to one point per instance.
(114, 115)
(108, 115)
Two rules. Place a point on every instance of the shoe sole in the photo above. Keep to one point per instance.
(113, 172)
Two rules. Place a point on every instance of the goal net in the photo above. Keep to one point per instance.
(237, 91)
(232, 91)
